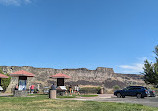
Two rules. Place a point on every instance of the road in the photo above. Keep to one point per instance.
(148, 101)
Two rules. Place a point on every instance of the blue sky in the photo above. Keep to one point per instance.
(119, 34)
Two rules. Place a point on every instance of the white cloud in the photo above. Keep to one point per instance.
(135, 68)
(15, 2)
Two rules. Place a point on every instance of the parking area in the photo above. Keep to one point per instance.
(148, 101)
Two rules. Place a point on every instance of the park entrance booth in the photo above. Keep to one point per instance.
(60, 78)
(22, 77)
(61, 88)
(2, 76)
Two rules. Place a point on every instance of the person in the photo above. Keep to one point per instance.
(16, 87)
(32, 88)
(53, 87)
(77, 90)
(70, 89)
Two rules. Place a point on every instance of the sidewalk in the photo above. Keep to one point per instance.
(5, 94)
(100, 96)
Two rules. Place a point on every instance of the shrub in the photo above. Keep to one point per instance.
(156, 90)
(90, 90)
(116, 87)
(5, 81)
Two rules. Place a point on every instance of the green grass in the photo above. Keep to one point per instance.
(88, 95)
(42, 103)
(73, 96)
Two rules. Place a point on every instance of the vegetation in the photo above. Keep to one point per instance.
(116, 87)
(42, 103)
(156, 91)
(88, 95)
(90, 90)
(73, 96)
(151, 70)
(5, 81)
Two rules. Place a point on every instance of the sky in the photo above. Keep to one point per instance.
(118, 34)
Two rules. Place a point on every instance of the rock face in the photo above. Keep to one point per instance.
(100, 77)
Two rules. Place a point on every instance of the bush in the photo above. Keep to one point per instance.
(116, 87)
(5, 81)
(90, 90)
(156, 91)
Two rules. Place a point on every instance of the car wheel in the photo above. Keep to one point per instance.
(139, 96)
(123, 96)
(118, 95)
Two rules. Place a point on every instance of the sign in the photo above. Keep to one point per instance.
(22, 85)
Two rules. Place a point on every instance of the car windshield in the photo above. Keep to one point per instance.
(124, 88)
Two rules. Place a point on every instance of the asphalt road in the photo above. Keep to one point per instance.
(148, 101)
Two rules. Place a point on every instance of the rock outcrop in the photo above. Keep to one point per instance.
(100, 77)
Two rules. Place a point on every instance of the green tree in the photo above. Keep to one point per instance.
(151, 70)
(156, 52)
(5, 81)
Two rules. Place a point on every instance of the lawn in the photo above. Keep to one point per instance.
(42, 103)
(88, 95)
(75, 96)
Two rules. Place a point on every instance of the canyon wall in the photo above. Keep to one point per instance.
(102, 76)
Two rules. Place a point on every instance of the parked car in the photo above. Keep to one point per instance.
(138, 91)
(151, 93)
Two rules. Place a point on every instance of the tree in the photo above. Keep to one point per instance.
(156, 52)
(151, 70)
(5, 81)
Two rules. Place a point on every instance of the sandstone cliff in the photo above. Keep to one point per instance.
(100, 77)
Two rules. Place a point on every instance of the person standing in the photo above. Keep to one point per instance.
(16, 87)
(78, 89)
(70, 89)
(53, 87)
(75, 90)
(32, 88)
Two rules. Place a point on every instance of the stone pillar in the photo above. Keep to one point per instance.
(52, 94)
(13, 82)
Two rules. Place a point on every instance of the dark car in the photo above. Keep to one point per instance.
(138, 91)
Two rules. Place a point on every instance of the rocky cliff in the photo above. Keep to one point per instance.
(100, 77)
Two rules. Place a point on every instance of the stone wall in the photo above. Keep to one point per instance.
(100, 77)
